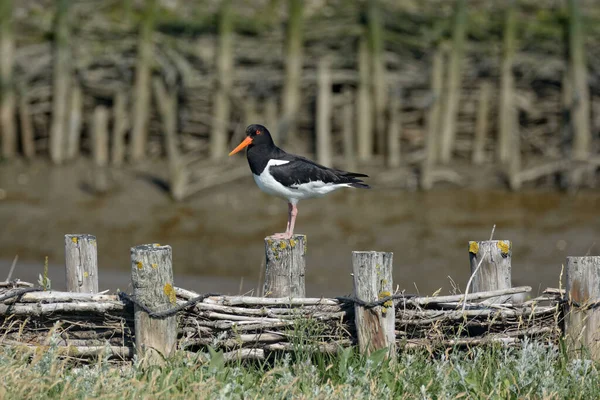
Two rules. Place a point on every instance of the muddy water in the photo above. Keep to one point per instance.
(217, 237)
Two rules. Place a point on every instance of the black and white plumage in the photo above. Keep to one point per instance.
(289, 176)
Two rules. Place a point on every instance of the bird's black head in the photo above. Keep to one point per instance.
(256, 135)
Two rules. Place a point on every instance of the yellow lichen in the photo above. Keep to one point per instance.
(74, 240)
(473, 247)
(154, 265)
(86, 274)
(93, 242)
(282, 245)
(139, 265)
(170, 292)
(292, 243)
(156, 244)
(382, 295)
(503, 246)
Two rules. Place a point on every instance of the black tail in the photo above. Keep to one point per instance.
(360, 185)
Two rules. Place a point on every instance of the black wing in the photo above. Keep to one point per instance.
(302, 170)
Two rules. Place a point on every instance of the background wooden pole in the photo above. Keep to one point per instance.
(120, 126)
(219, 137)
(495, 270)
(348, 130)
(453, 90)
(372, 282)
(141, 90)
(481, 126)
(364, 119)
(75, 119)
(285, 267)
(152, 280)
(7, 89)
(394, 128)
(100, 148)
(582, 326)
(323, 148)
(81, 261)
(293, 68)
(507, 113)
(61, 78)
(433, 119)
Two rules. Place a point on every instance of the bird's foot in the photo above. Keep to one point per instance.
(284, 235)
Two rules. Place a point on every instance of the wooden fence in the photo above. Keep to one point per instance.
(159, 317)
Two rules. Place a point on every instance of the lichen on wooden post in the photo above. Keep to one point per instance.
(372, 282)
(495, 270)
(81, 261)
(582, 322)
(285, 267)
(152, 281)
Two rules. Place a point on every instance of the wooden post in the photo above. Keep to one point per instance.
(452, 97)
(375, 30)
(81, 261)
(582, 326)
(7, 90)
(75, 117)
(507, 113)
(100, 148)
(323, 147)
(141, 89)
(394, 128)
(152, 281)
(61, 77)
(27, 138)
(348, 131)
(167, 107)
(582, 139)
(271, 117)
(121, 124)
(293, 66)
(364, 124)
(433, 119)
(373, 281)
(285, 267)
(219, 137)
(495, 270)
(481, 127)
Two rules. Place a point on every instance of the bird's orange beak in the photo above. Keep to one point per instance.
(242, 145)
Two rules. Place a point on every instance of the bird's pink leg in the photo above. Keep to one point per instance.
(289, 231)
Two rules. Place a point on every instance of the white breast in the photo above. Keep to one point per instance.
(269, 185)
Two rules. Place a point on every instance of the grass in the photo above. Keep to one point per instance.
(528, 371)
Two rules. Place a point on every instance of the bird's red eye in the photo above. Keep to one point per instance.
(257, 132)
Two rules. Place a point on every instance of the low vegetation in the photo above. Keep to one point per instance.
(528, 371)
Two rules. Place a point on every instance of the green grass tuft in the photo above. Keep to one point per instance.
(528, 371)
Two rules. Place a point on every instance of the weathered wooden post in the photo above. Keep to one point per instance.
(372, 282)
(493, 258)
(152, 280)
(81, 261)
(582, 316)
(285, 266)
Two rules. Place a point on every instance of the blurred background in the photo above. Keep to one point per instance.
(116, 117)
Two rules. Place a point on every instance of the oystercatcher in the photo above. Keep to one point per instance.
(289, 176)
